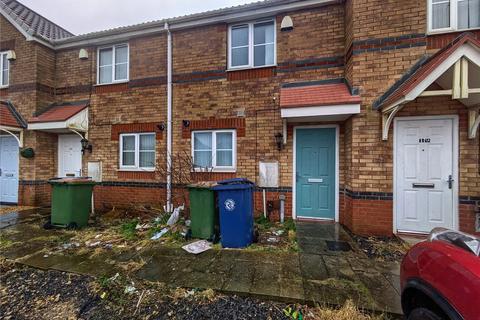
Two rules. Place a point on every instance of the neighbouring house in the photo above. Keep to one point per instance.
(364, 112)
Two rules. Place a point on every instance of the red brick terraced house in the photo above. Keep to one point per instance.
(364, 112)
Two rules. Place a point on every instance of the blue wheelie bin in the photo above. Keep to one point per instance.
(235, 203)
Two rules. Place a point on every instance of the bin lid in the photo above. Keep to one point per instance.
(72, 180)
(236, 181)
(202, 185)
(234, 184)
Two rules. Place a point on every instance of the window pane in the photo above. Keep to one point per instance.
(105, 57)
(121, 54)
(147, 142)
(240, 36)
(239, 57)
(263, 33)
(128, 143)
(121, 71)
(224, 158)
(105, 74)
(468, 14)
(263, 55)
(202, 141)
(202, 159)
(4, 77)
(440, 14)
(224, 140)
(147, 159)
(128, 158)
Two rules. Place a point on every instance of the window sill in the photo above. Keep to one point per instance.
(250, 68)
(110, 83)
(445, 31)
(4, 87)
(135, 170)
(215, 171)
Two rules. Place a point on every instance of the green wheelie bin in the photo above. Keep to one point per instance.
(202, 211)
(71, 201)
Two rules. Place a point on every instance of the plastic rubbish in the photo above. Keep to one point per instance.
(175, 215)
(197, 247)
(159, 234)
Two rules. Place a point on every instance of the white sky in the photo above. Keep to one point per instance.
(82, 16)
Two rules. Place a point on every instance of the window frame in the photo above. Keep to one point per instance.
(113, 47)
(136, 166)
(453, 19)
(251, 45)
(4, 53)
(215, 168)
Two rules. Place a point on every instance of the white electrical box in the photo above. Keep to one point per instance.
(95, 170)
(268, 174)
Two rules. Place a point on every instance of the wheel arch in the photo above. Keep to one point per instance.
(418, 293)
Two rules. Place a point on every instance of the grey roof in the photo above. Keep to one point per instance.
(33, 23)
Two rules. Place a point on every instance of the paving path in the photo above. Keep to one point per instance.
(329, 268)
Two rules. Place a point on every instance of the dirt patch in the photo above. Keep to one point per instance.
(10, 209)
(382, 248)
(275, 236)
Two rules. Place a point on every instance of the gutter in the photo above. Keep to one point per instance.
(169, 207)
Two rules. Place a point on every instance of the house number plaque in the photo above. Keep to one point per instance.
(424, 140)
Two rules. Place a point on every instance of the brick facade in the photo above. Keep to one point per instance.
(371, 44)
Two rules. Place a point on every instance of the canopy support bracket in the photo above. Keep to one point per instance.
(387, 117)
(473, 122)
(18, 138)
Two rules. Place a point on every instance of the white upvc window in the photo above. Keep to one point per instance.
(453, 15)
(4, 70)
(113, 64)
(137, 151)
(252, 45)
(214, 149)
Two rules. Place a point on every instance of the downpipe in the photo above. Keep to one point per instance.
(169, 206)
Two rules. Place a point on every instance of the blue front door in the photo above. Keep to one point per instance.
(315, 173)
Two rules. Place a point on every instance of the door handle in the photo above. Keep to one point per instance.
(450, 181)
(423, 185)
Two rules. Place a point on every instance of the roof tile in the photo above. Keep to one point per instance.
(59, 112)
(317, 95)
(32, 22)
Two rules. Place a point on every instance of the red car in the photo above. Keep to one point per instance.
(440, 278)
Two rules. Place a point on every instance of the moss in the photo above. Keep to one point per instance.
(4, 242)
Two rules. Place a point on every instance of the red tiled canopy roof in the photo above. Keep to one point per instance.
(317, 95)
(422, 70)
(62, 112)
(9, 116)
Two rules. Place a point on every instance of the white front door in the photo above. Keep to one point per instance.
(8, 169)
(69, 155)
(424, 174)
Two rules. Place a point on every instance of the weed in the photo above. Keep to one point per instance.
(4, 242)
(127, 229)
(289, 224)
(263, 223)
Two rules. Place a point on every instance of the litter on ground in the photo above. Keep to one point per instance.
(197, 247)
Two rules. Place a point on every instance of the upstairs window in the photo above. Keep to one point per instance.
(214, 150)
(113, 64)
(252, 45)
(453, 15)
(4, 68)
(137, 151)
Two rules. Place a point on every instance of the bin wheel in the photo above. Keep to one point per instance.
(48, 225)
(256, 235)
(72, 226)
(188, 235)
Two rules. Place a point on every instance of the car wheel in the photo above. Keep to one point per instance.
(423, 314)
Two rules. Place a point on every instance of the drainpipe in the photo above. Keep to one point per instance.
(169, 207)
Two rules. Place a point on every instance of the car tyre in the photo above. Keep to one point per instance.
(423, 314)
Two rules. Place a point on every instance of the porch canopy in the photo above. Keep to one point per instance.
(453, 71)
(11, 121)
(330, 100)
(62, 118)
